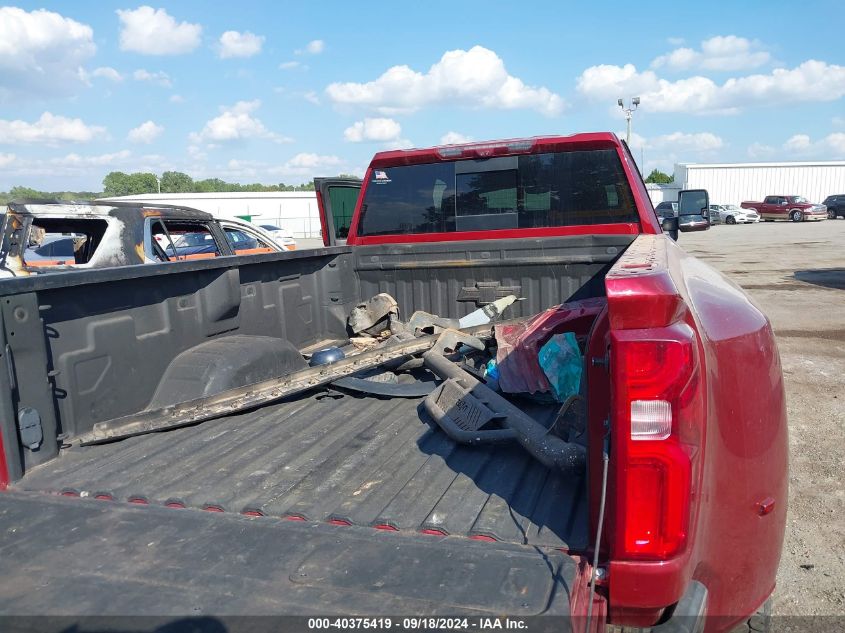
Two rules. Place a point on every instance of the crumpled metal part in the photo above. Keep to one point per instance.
(519, 343)
(373, 316)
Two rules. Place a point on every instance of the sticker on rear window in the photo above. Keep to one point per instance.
(381, 177)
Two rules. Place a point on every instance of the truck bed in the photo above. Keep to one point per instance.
(357, 461)
(72, 557)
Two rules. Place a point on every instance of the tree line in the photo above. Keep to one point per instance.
(118, 183)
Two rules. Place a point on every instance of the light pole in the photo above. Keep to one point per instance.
(628, 113)
(158, 183)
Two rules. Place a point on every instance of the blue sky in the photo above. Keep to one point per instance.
(280, 92)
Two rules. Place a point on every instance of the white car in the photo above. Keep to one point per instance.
(732, 214)
(281, 236)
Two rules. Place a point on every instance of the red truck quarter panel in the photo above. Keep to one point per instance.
(737, 456)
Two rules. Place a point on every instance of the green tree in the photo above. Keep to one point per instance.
(143, 182)
(209, 185)
(116, 183)
(20, 193)
(658, 177)
(176, 182)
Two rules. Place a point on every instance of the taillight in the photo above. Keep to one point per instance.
(657, 425)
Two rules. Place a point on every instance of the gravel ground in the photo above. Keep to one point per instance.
(796, 275)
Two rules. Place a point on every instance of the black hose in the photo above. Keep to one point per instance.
(535, 438)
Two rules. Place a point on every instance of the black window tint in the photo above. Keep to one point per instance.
(413, 199)
(530, 191)
(487, 200)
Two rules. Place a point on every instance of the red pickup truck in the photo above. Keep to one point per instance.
(794, 208)
(167, 449)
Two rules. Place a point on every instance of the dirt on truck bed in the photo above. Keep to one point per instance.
(339, 458)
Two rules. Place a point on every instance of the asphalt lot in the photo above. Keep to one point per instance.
(796, 274)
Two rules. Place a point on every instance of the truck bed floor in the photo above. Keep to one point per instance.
(354, 460)
(72, 557)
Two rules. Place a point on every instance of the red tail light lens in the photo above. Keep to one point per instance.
(657, 422)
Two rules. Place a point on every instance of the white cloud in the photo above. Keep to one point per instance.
(154, 32)
(42, 53)
(675, 41)
(838, 121)
(380, 129)
(160, 78)
(314, 47)
(306, 164)
(7, 159)
(760, 150)
(455, 138)
(195, 152)
(306, 160)
(399, 143)
(721, 53)
(664, 150)
(49, 129)
(107, 72)
(234, 44)
(288, 65)
(831, 146)
(311, 97)
(75, 160)
(176, 99)
(680, 141)
(811, 81)
(236, 123)
(147, 132)
(476, 78)
(797, 143)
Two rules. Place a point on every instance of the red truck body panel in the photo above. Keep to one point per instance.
(735, 533)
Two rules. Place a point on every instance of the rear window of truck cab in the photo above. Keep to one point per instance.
(508, 192)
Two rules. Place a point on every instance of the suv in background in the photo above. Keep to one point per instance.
(835, 206)
(666, 210)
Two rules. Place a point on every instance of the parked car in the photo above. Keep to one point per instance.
(835, 206)
(283, 237)
(75, 236)
(666, 209)
(794, 208)
(732, 214)
(166, 447)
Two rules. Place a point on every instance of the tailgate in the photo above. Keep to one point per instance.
(75, 557)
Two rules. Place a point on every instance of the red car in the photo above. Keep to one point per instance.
(167, 449)
(794, 208)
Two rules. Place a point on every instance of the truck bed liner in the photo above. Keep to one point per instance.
(358, 460)
(76, 557)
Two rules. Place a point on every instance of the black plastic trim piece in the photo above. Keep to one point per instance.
(689, 613)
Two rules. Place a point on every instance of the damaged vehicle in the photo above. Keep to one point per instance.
(508, 392)
(39, 237)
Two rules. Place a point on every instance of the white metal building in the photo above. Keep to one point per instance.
(295, 211)
(731, 183)
(659, 193)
